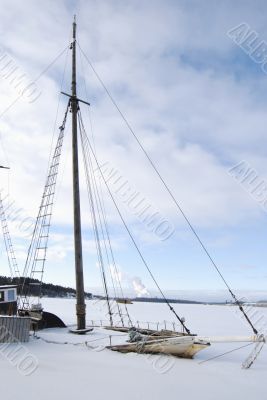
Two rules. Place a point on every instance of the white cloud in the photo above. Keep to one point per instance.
(195, 122)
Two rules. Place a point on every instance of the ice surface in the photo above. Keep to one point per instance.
(76, 370)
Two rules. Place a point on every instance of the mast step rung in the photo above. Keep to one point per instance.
(50, 182)
(48, 194)
(49, 185)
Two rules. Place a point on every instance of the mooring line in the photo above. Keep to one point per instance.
(227, 352)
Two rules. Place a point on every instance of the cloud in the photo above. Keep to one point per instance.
(189, 114)
(171, 69)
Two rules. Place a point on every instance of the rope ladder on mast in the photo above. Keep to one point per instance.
(37, 252)
(12, 261)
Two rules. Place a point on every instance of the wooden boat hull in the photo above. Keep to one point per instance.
(124, 301)
(43, 319)
(143, 331)
(185, 347)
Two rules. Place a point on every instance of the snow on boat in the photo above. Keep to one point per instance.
(179, 346)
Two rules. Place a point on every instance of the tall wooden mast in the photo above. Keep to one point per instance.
(80, 305)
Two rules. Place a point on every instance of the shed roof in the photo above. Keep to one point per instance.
(8, 287)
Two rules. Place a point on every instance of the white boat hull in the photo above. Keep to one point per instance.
(182, 346)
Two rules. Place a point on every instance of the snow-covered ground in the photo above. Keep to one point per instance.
(69, 368)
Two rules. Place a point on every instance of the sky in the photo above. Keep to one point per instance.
(195, 99)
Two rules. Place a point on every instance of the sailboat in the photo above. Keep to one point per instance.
(182, 344)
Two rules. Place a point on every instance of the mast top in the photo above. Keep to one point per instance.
(74, 28)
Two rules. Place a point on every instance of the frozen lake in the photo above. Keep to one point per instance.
(67, 368)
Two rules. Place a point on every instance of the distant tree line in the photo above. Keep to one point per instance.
(32, 286)
(153, 300)
(161, 300)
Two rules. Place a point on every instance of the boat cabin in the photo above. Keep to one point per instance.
(8, 300)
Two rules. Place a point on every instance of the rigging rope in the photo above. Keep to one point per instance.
(104, 230)
(57, 111)
(102, 207)
(85, 139)
(95, 227)
(254, 353)
(102, 226)
(35, 80)
(37, 251)
(114, 264)
(58, 104)
(227, 352)
(193, 230)
(4, 149)
(12, 261)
